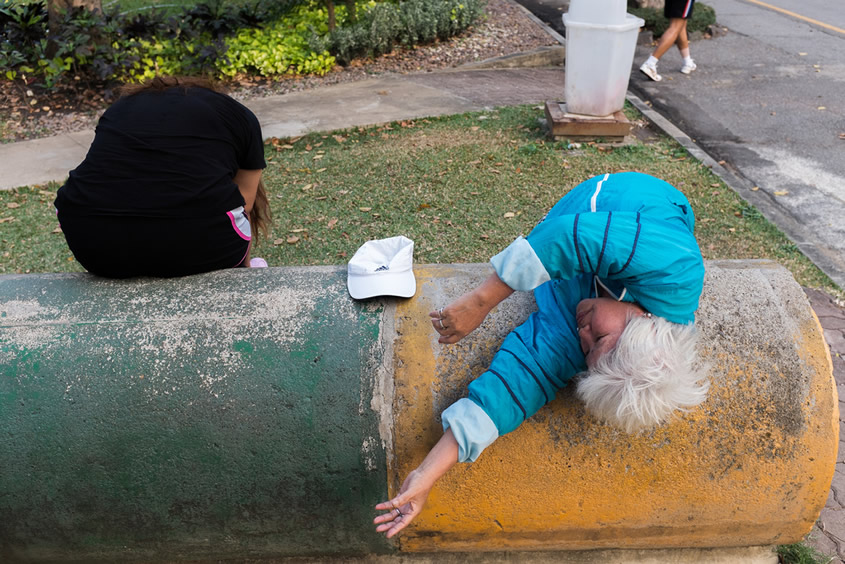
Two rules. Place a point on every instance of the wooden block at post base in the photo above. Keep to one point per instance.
(575, 126)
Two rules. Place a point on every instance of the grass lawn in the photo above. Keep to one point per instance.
(462, 187)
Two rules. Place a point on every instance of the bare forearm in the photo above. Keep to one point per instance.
(492, 292)
(439, 459)
(465, 314)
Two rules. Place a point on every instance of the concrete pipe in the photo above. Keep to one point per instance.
(262, 413)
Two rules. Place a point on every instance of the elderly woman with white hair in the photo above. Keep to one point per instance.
(617, 274)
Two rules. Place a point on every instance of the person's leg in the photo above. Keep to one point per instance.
(669, 37)
(672, 34)
(683, 47)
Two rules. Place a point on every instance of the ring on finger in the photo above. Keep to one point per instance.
(440, 321)
(398, 514)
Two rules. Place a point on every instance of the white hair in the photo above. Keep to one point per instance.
(652, 371)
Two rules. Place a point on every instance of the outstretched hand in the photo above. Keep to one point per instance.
(464, 315)
(403, 508)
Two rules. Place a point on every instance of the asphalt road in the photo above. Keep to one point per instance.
(768, 98)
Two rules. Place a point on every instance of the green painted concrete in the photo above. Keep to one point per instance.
(225, 415)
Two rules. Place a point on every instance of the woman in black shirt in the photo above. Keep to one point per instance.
(171, 185)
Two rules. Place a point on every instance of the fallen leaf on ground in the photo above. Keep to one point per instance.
(331, 223)
(321, 169)
(299, 230)
(307, 187)
(781, 192)
(278, 241)
(13, 205)
(57, 230)
(292, 239)
(6, 219)
(365, 209)
(509, 215)
(755, 188)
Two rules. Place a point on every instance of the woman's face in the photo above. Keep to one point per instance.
(600, 322)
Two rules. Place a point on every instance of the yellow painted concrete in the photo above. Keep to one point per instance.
(751, 466)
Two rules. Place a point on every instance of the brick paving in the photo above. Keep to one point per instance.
(828, 536)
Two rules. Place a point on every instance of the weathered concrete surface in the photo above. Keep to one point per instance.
(225, 415)
(745, 555)
(262, 413)
(751, 466)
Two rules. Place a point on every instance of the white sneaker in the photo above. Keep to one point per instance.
(651, 72)
(688, 67)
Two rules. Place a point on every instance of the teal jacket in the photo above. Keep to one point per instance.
(629, 232)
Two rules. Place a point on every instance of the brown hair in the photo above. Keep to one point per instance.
(161, 83)
(260, 216)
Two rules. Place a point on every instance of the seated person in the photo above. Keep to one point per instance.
(171, 185)
(617, 275)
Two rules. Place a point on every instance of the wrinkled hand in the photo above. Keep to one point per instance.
(403, 508)
(458, 319)
(464, 315)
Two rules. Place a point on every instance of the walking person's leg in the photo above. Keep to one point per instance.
(669, 38)
(683, 47)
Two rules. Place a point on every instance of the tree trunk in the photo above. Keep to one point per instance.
(330, 10)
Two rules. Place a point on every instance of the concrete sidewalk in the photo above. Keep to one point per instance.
(368, 102)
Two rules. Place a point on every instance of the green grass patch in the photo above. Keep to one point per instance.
(800, 553)
(462, 187)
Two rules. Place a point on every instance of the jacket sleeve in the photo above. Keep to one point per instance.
(658, 261)
(536, 359)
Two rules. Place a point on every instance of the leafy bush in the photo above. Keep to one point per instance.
(268, 37)
(385, 24)
(703, 17)
(281, 48)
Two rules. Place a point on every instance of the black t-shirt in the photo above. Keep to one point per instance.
(166, 153)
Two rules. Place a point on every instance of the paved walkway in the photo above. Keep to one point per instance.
(392, 98)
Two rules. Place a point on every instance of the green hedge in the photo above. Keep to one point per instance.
(266, 38)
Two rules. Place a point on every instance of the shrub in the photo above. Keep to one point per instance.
(281, 48)
(383, 25)
(268, 37)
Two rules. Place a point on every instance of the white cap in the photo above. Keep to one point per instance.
(383, 267)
